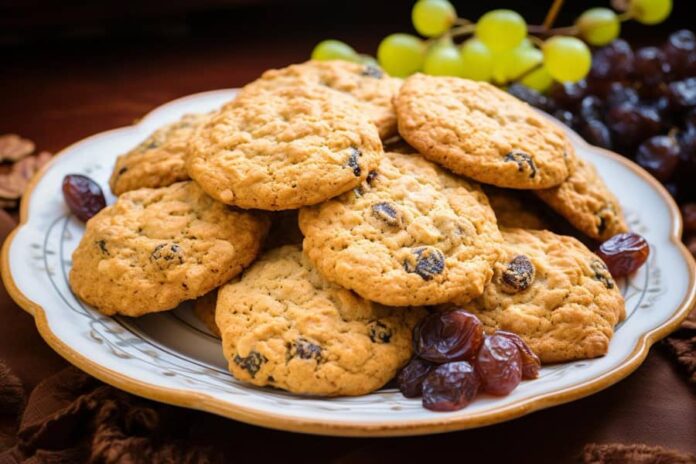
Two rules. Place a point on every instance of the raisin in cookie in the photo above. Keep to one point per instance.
(285, 148)
(204, 309)
(284, 325)
(586, 202)
(369, 85)
(554, 293)
(482, 132)
(412, 234)
(159, 160)
(155, 248)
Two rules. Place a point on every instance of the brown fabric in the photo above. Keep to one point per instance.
(614, 453)
(682, 344)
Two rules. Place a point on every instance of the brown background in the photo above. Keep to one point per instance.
(74, 68)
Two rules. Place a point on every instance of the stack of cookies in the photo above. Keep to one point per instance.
(313, 250)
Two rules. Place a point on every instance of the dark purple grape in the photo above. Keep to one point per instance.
(566, 117)
(682, 94)
(679, 51)
(410, 378)
(689, 215)
(499, 363)
(532, 97)
(568, 95)
(530, 361)
(613, 62)
(690, 119)
(686, 172)
(83, 196)
(620, 93)
(660, 156)
(632, 123)
(445, 336)
(650, 66)
(591, 109)
(450, 387)
(596, 133)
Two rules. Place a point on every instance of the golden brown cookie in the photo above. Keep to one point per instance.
(283, 325)
(481, 132)
(204, 309)
(554, 293)
(368, 84)
(284, 148)
(586, 202)
(412, 234)
(159, 160)
(155, 248)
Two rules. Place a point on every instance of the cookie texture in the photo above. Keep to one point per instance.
(369, 85)
(284, 325)
(155, 248)
(586, 202)
(481, 132)
(285, 148)
(554, 293)
(159, 160)
(204, 309)
(412, 234)
(514, 208)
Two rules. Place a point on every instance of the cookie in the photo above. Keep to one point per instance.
(285, 326)
(204, 309)
(368, 84)
(412, 234)
(482, 132)
(159, 160)
(155, 248)
(514, 208)
(586, 202)
(285, 148)
(554, 293)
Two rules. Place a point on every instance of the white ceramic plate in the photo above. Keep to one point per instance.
(171, 357)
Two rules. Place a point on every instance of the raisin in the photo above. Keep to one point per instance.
(102, 247)
(450, 387)
(167, 255)
(624, 253)
(601, 273)
(353, 161)
(379, 332)
(523, 160)
(519, 274)
(388, 213)
(605, 215)
(530, 361)
(372, 71)
(251, 363)
(445, 336)
(122, 170)
(304, 349)
(83, 196)
(427, 262)
(411, 377)
(371, 176)
(499, 363)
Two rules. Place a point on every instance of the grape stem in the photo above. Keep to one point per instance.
(541, 30)
(462, 30)
(552, 14)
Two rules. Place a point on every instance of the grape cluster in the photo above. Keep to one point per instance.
(498, 48)
(641, 103)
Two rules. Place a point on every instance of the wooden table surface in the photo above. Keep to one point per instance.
(58, 95)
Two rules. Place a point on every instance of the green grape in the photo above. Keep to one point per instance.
(334, 50)
(599, 26)
(650, 11)
(539, 79)
(477, 60)
(401, 54)
(512, 64)
(501, 30)
(432, 18)
(566, 58)
(443, 60)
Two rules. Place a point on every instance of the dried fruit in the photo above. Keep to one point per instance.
(425, 261)
(83, 196)
(601, 273)
(530, 361)
(519, 274)
(524, 162)
(372, 71)
(499, 363)
(251, 363)
(304, 349)
(379, 332)
(388, 213)
(450, 387)
(14, 148)
(353, 161)
(167, 255)
(624, 253)
(411, 377)
(446, 336)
